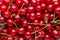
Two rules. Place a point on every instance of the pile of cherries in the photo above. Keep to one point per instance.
(29, 19)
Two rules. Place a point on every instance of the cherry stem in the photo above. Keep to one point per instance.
(9, 4)
(21, 8)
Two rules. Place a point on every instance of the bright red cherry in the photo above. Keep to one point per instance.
(30, 9)
(5, 31)
(49, 1)
(55, 33)
(42, 1)
(17, 17)
(6, 2)
(2, 19)
(57, 10)
(35, 21)
(26, 2)
(41, 22)
(7, 14)
(32, 16)
(27, 15)
(19, 2)
(47, 37)
(46, 15)
(21, 30)
(13, 32)
(3, 7)
(51, 16)
(27, 34)
(24, 22)
(38, 7)
(13, 8)
(10, 22)
(23, 11)
(39, 15)
(50, 7)
(43, 5)
(49, 26)
(37, 28)
(20, 38)
(29, 28)
(41, 33)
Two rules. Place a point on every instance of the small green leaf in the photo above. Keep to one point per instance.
(46, 20)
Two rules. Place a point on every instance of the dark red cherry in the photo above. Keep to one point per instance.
(5, 31)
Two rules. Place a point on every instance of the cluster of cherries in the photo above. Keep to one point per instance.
(29, 19)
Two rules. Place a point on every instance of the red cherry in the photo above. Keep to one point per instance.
(13, 8)
(50, 7)
(24, 22)
(10, 22)
(5, 31)
(29, 28)
(42, 1)
(49, 26)
(3, 7)
(57, 10)
(26, 2)
(27, 34)
(6, 2)
(47, 37)
(51, 16)
(37, 28)
(49, 1)
(23, 11)
(41, 33)
(13, 32)
(19, 2)
(2, 19)
(21, 30)
(32, 16)
(30, 9)
(38, 7)
(55, 33)
(41, 22)
(43, 5)
(7, 14)
(17, 17)
(39, 15)
(20, 38)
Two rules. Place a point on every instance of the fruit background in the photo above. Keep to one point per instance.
(29, 19)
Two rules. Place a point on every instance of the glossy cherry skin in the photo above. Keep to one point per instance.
(46, 15)
(19, 2)
(38, 8)
(5, 31)
(24, 22)
(41, 22)
(43, 5)
(7, 14)
(57, 10)
(21, 30)
(17, 17)
(20, 38)
(29, 28)
(26, 2)
(3, 7)
(23, 11)
(47, 37)
(37, 28)
(50, 7)
(51, 16)
(10, 22)
(13, 32)
(55, 33)
(2, 19)
(49, 26)
(13, 8)
(30, 9)
(32, 16)
(41, 33)
(39, 15)
(8, 38)
(27, 34)
(6, 2)
(35, 21)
